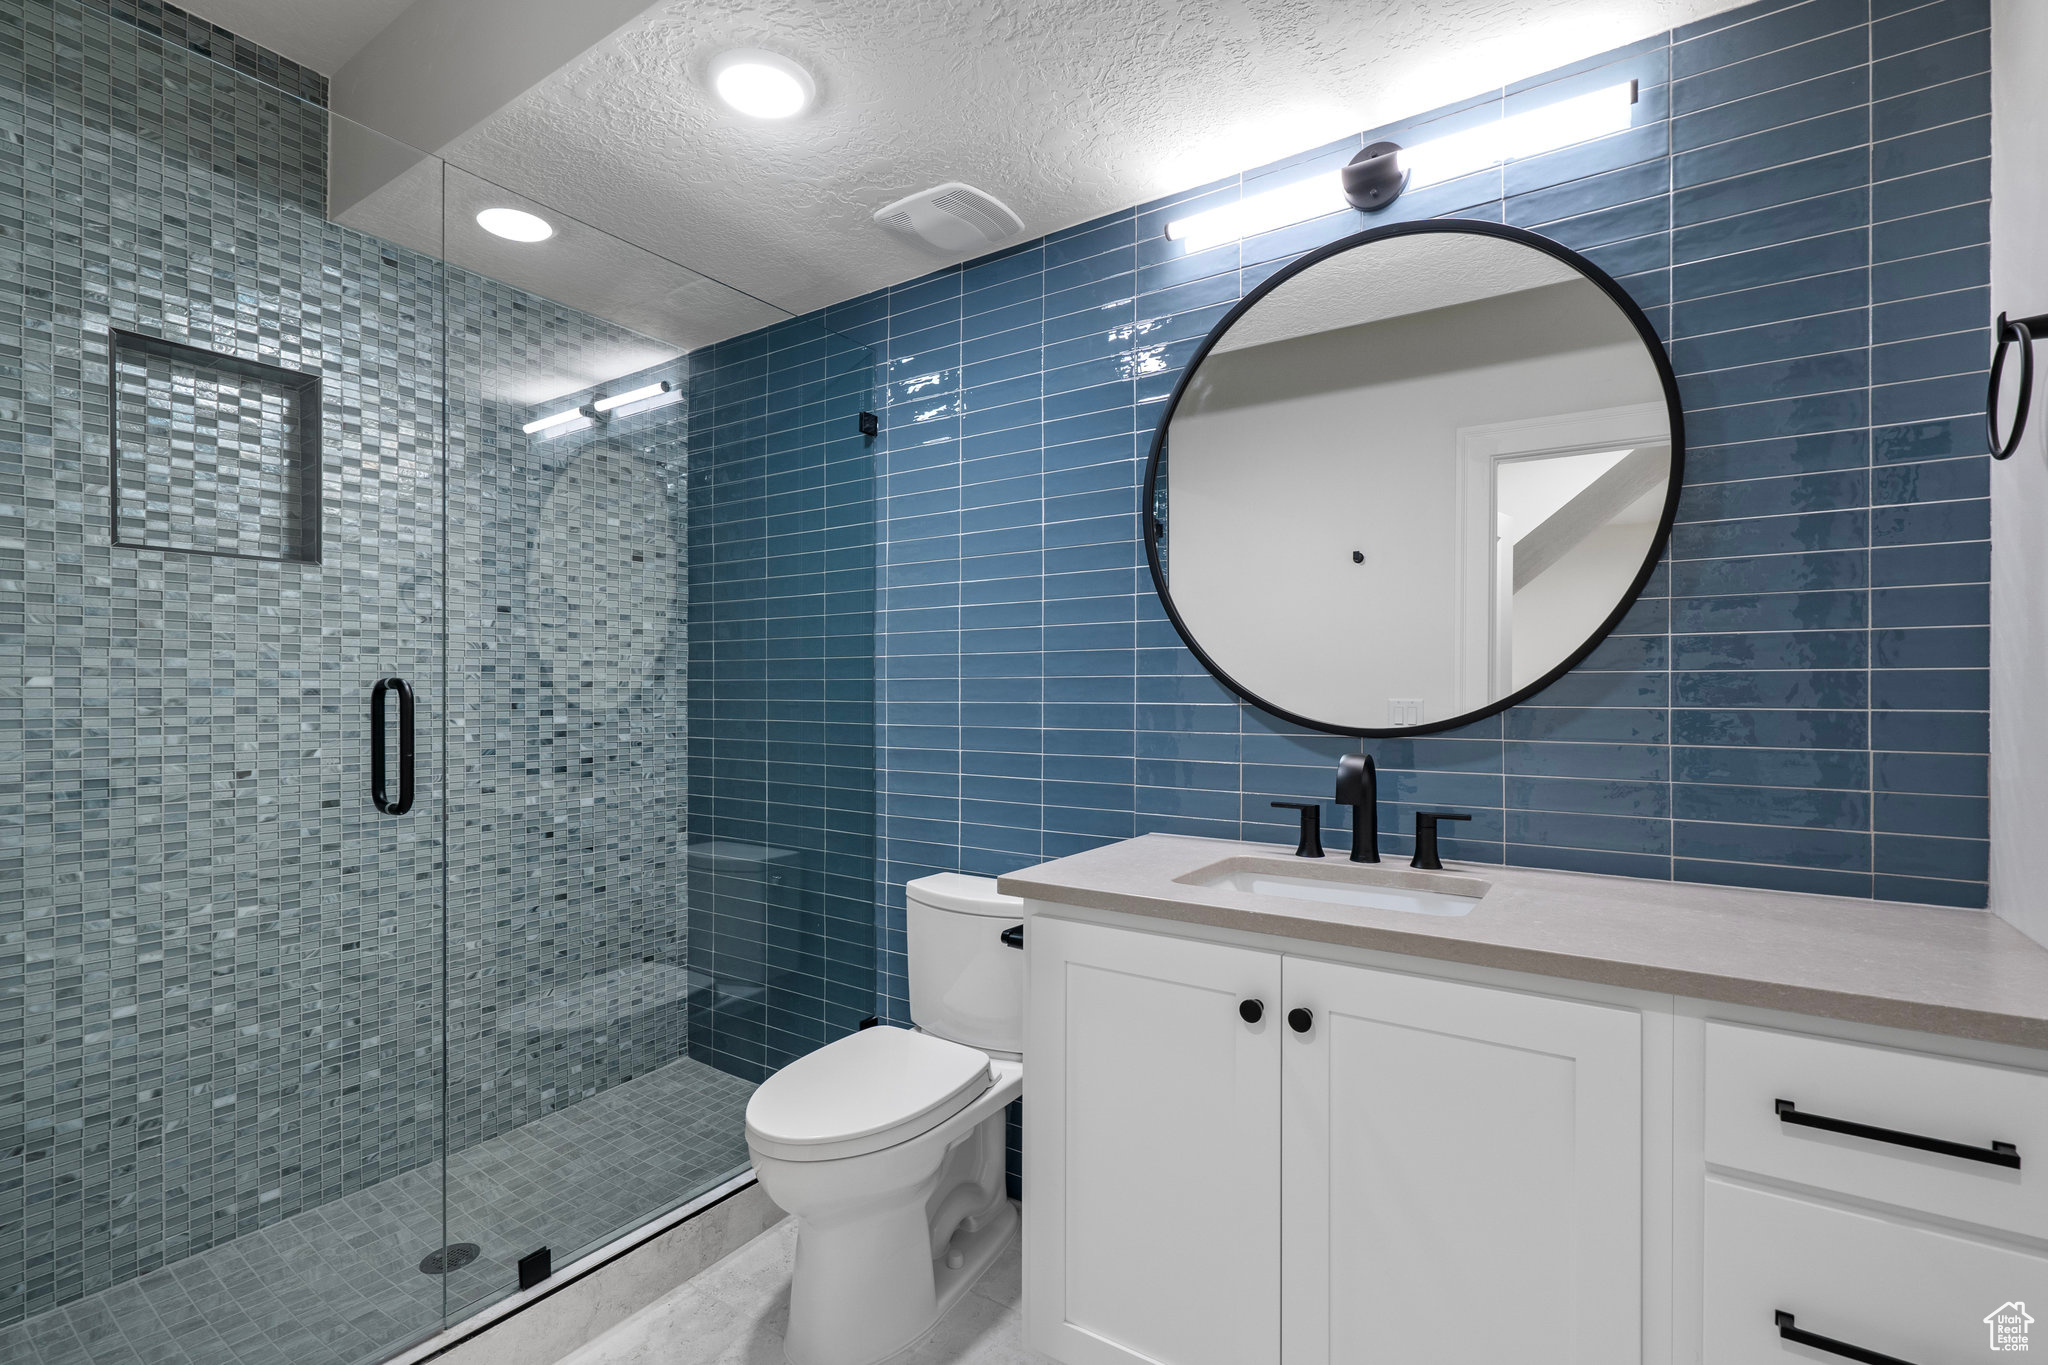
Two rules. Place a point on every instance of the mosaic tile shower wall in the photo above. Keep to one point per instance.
(223, 966)
(568, 739)
(782, 696)
(1798, 702)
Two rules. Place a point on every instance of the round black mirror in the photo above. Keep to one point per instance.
(1414, 477)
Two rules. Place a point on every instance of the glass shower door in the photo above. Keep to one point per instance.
(221, 463)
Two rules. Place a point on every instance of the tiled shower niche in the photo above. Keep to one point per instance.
(212, 453)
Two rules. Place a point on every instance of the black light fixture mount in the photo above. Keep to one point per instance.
(1375, 177)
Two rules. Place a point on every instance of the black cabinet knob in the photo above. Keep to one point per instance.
(1300, 1020)
(1251, 1011)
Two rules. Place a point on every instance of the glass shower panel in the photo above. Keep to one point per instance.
(582, 395)
(220, 527)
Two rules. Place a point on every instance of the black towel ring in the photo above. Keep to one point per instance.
(2009, 330)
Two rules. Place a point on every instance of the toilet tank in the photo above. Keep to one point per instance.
(966, 984)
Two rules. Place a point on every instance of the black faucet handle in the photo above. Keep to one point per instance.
(1425, 838)
(1310, 844)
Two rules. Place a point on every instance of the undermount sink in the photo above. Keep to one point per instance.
(1411, 893)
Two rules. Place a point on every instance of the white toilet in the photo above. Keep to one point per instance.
(887, 1145)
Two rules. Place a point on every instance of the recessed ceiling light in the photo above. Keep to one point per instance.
(762, 84)
(515, 225)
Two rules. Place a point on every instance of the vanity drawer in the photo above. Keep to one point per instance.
(1909, 1293)
(1905, 1096)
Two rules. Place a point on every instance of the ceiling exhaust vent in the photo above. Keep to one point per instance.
(951, 217)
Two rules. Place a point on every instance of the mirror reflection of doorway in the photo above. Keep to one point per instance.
(1552, 514)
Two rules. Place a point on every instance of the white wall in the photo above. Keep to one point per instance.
(1286, 457)
(2019, 486)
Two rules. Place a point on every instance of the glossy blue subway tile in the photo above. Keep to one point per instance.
(1936, 481)
(1929, 357)
(1938, 273)
(1953, 732)
(1770, 687)
(1931, 107)
(1970, 895)
(1778, 455)
(1828, 94)
(1770, 32)
(1801, 533)
(1923, 25)
(1788, 65)
(1912, 855)
(1780, 806)
(1930, 689)
(1937, 774)
(1962, 604)
(1774, 729)
(1772, 649)
(1943, 438)
(1966, 55)
(1743, 156)
(1644, 181)
(1932, 647)
(1927, 400)
(1772, 303)
(1770, 497)
(1831, 769)
(1761, 188)
(1968, 562)
(1925, 191)
(1947, 229)
(1796, 222)
(1829, 850)
(1924, 523)
(1829, 335)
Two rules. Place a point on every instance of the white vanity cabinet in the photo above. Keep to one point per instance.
(1415, 1169)
(1461, 1173)
(1152, 1148)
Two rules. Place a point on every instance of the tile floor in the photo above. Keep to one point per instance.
(341, 1283)
(734, 1312)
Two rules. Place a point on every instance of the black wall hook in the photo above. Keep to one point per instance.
(2007, 331)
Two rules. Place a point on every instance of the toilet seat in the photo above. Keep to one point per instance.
(864, 1092)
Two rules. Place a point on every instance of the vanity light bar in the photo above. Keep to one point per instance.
(1578, 119)
(595, 406)
(619, 400)
(552, 421)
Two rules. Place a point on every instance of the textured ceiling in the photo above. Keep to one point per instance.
(1064, 109)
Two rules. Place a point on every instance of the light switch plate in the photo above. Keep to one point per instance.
(1404, 710)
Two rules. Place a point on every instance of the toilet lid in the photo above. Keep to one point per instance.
(867, 1085)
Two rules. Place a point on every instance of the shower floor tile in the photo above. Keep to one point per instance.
(341, 1284)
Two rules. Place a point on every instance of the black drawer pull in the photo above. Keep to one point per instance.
(1791, 1331)
(1997, 1154)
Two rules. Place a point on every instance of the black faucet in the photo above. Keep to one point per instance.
(1358, 786)
(1425, 838)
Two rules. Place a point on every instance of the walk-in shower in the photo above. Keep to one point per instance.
(288, 1071)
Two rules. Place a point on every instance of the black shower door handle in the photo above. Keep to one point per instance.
(378, 793)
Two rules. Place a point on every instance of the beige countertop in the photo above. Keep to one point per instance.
(1960, 972)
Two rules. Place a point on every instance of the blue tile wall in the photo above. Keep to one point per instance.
(1797, 702)
(782, 657)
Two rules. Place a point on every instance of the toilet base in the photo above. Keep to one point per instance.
(975, 1250)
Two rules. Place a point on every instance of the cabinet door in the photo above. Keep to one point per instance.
(1152, 1141)
(1462, 1174)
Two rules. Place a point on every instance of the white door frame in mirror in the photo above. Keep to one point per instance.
(1481, 662)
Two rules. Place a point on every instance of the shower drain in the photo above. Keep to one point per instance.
(452, 1257)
